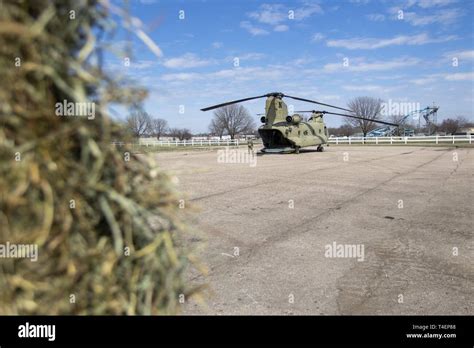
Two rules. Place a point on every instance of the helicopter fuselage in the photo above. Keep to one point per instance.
(283, 133)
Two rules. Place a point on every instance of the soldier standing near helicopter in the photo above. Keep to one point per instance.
(250, 146)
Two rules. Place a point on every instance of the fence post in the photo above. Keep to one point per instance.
(470, 138)
(391, 140)
(406, 140)
(376, 140)
(337, 141)
(349, 140)
(436, 139)
(192, 142)
(453, 139)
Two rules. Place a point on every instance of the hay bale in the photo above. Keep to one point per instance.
(106, 228)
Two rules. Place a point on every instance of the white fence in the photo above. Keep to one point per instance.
(214, 142)
(435, 139)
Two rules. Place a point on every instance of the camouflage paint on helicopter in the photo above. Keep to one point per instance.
(283, 133)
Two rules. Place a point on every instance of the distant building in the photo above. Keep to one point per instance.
(467, 130)
(152, 140)
(245, 136)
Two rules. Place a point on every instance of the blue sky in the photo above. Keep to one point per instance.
(330, 51)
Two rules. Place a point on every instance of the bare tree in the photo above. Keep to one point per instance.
(366, 107)
(138, 122)
(463, 122)
(343, 131)
(235, 119)
(452, 125)
(180, 133)
(217, 127)
(158, 127)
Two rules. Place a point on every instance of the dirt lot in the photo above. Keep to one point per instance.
(411, 209)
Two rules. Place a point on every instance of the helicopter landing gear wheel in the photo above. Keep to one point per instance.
(297, 149)
(320, 148)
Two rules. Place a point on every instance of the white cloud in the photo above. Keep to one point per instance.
(317, 37)
(424, 80)
(463, 54)
(376, 17)
(359, 2)
(374, 43)
(361, 66)
(251, 56)
(307, 10)
(281, 27)
(460, 55)
(301, 61)
(217, 44)
(275, 15)
(271, 14)
(442, 17)
(366, 88)
(180, 77)
(253, 29)
(465, 76)
(235, 74)
(429, 79)
(433, 3)
(424, 4)
(188, 60)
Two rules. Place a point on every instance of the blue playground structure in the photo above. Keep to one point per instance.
(429, 114)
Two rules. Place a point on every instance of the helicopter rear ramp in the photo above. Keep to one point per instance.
(273, 139)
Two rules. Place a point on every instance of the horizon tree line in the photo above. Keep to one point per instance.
(139, 123)
(235, 119)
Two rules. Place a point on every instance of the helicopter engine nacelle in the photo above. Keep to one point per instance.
(295, 119)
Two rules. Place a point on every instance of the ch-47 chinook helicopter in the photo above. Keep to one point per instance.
(283, 133)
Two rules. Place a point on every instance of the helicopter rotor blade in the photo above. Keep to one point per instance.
(360, 118)
(316, 102)
(232, 102)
